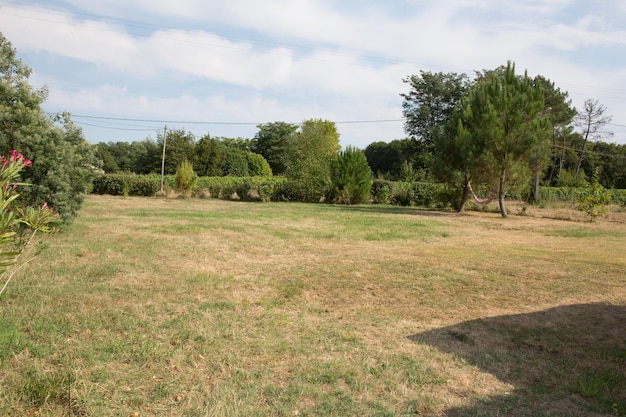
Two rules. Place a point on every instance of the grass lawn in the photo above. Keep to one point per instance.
(153, 307)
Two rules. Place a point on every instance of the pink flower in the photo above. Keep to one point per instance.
(17, 157)
(45, 205)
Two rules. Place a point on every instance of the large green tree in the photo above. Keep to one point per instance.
(179, 147)
(430, 103)
(504, 114)
(271, 142)
(560, 113)
(210, 157)
(386, 159)
(309, 156)
(62, 159)
(20, 104)
(428, 108)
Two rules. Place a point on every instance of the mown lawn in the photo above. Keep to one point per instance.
(154, 307)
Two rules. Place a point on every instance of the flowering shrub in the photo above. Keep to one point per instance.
(13, 216)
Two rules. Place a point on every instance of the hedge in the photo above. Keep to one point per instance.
(420, 194)
(573, 194)
(246, 188)
(127, 184)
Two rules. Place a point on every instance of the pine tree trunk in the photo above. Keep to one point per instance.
(536, 187)
(501, 195)
(464, 196)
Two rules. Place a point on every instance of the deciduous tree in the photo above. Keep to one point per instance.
(591, 121)
(308, 158)
(63, 161)
(271, 142)
(179, 146)
(430, 103)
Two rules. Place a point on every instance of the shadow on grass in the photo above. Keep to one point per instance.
(418, 211)
(565, 361)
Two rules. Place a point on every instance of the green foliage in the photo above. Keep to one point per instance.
(271, 142)
(568, 178)
(502, 125)
(20, 113)
(247, 188)
(179, 146)
(308, 159)
(235, 163)
(430, 103)
(63, 160)
(186, 179)
(14, 217)
(209, 157)
(351, 177)
(595, 200)
(418, 193)
(386, 159)
(257, 165)
(62, 169)
(407, 172)
(126, 184)
(381, 191)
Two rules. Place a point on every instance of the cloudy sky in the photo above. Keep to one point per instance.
(125, 69)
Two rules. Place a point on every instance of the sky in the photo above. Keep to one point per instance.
(126, 69)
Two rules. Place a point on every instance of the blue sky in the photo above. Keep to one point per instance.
(124, 69)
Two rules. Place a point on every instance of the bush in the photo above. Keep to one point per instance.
(186, 179)
(381, 191)
(402, 194)
(258, 165)
(351, 180)
(595, 201)
(126, 184)
(420, 194)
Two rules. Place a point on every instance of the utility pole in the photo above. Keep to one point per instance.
(163, 158)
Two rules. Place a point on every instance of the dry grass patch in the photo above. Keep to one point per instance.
(208, 307)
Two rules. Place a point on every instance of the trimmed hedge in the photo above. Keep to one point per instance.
(246, 188)
(419, 194)
(127, 184)
(573, 194)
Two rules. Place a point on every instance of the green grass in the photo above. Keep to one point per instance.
(218, 308)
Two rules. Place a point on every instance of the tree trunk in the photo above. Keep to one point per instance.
(581, 157)
(464, 196)
(536, 187)
(501, 195)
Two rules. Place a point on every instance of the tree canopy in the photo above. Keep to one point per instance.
(503, 117)
(62, 160)
(309, 157)
(271, 142)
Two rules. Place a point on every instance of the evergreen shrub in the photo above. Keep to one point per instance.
(126, 184)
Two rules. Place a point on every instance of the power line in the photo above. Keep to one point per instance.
(200, 122)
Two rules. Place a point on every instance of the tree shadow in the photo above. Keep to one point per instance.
(386, 209)
(564, 361)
